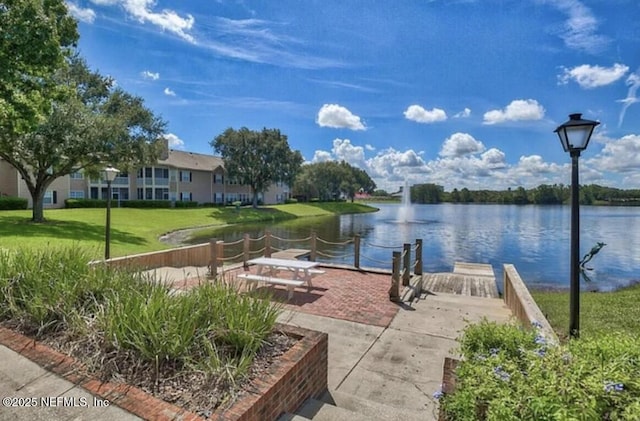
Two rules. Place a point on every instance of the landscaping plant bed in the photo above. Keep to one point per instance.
(208, 350)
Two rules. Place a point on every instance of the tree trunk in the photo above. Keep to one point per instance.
(255, 198)
(38, 204)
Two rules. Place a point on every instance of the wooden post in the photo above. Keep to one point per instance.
(418, 270)
(356, 251)
(220, 252)
(267, 244)
(245, 249)
(406, 263)
(312, 256)
(213, 258)
(394, 292)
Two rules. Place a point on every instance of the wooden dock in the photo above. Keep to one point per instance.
(291, 254)
(473, 279)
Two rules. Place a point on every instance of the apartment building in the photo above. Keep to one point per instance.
(177, 176)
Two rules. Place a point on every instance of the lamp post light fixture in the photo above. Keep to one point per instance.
(110, 174)
(574, 136)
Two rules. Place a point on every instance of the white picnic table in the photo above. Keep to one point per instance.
(268, 268)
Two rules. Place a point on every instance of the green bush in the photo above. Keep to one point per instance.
(292, 200)
(85, 203)
(180, 204)
(13, 203)
(508, 373)
(147, 204)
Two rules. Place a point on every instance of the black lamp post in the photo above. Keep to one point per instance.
(110, 174)
(574, 136)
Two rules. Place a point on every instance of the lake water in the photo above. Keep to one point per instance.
(533, 238)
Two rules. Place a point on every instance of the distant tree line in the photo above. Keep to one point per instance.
(544, 194)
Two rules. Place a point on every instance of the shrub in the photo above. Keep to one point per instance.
(180, 204)
(85, 203)
(508, 373)
(13, 203)
(148, 204)
(292, 200)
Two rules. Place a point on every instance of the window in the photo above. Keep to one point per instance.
(162, 194)
(148, 172)
(185, 196)
(148, 193)
(140, 193)
(185, 176)
(76, 175)
(161, 172)
(218, 178)
(50, 197)
(76, 194)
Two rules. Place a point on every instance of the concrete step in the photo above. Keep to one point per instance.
(316, 410)
(375, 410)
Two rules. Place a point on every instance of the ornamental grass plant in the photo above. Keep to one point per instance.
(511, 373)
(123, 323)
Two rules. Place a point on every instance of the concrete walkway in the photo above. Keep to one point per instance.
(31, 393)
(391, 373)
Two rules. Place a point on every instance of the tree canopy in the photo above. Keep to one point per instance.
(257, 159)
(36, 37)
(329, 180)
(91, 126)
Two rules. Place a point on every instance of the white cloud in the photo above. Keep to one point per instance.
(420, 115)
(621, 155)
(494, 158)
(322, 156)
(633, 81)
(589, 77)
(167, 20)
(169, 92)
(344, 150)
(580, 28)
(84, 15)
(369, 147)
(459, 144)
(517, 110)
(174, 141)
(338, 117)
(150, 75)
(463, 114)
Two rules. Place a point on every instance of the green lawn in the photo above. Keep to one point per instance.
(138, 230)
(600, 312)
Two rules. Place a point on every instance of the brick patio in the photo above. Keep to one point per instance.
(351, 295)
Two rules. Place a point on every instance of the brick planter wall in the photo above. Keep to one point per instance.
(297, 375)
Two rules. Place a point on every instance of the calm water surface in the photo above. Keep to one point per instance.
(534, 238)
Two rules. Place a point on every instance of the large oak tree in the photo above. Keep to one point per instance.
(257, 159)
(91, 126)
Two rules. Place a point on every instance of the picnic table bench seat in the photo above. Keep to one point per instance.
(289, 283)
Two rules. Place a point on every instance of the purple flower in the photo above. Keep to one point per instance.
(613, 387)
(540, 340)
(494, 351)
(536, 324)
(501, 374)
(541, 352)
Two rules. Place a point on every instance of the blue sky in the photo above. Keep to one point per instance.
(459, 93)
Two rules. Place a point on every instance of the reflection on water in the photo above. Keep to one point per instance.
(534, 238)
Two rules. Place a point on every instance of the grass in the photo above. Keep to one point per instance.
(600, 312)
(138, 230)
